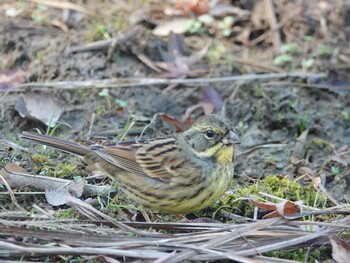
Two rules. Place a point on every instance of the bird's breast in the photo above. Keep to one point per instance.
(224, 156)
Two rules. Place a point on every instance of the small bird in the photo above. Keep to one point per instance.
(177, 175)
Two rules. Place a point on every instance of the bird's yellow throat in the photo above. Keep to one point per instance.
(223, 155)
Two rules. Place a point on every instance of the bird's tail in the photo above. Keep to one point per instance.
(63, 145)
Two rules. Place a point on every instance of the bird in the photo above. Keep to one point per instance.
(178, 174)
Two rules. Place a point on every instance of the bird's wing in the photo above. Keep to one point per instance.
(155, 158)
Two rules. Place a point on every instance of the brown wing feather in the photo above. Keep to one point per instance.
(153, 158)
(156, 158)
(121, 156)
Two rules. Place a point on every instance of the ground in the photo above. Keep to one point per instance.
(304, 122)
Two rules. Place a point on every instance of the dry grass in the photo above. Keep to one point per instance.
(35, 237)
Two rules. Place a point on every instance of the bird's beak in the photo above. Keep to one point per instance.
(231, 138)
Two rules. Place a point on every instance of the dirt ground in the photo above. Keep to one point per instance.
(301, 123)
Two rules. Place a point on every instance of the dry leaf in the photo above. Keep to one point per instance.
(177, 26)
(175, 123)
(57, 197)
(11, 167)
(197, 7)
(40, 107)
(284, 208)
(11, 78)
(340, 250)
(211, 101)
(208, 108)
(76, 189)
(210, 95)
(289, 208)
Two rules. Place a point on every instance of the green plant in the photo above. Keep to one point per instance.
(303, 124)
(103, 31)
(346, 116)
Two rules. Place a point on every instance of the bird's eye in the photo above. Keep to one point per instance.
(209, 134)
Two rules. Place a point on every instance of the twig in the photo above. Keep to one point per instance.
(271, 17)
(13, 198)
(62, 5)
(255, 64)
(132, 82)
(20, 179)
(309, 85)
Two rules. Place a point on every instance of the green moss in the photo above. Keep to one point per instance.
(320, 143)
(270, 161)
(68, 213)
(277, 186)
(299, 254)
(45, 166)
(42, 159)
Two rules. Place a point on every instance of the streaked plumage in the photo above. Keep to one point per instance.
(179, 174)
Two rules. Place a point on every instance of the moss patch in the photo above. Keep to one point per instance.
(277, 186)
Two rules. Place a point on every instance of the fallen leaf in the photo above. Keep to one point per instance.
(177, 26)
(289, 208)
(11, 167)
(176, 123)
(210, 95)
(211, 101)
(76, 189)
(208, 108)
(340, 250)
(284, 208)
(11, 78)
(266, 206)
(197, 7)
(57, 197)
(40, 107)
(175, 64)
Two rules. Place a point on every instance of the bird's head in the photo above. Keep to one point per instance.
(212, 137)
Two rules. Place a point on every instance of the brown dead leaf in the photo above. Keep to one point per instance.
(289, 208)
(176, 64)
(284, 208)
(176, 123)
(208, 108)
(61, 25)
(211, 101)
(340, 250)
(197, 7)
(11, 167)
(40, 107)
(76, 189)
(11, 78)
